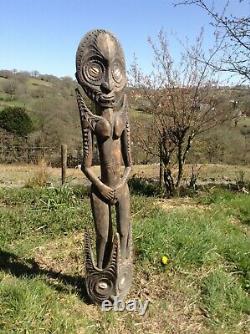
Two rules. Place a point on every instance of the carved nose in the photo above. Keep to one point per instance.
(106, 87)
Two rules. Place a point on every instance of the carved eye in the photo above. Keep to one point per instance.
(117, 73)
(93, 71)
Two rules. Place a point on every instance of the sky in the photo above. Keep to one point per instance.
(43, 35)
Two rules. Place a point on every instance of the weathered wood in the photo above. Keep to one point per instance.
(100, 71)
(64, 162)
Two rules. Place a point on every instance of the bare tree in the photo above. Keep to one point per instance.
(35, 74)
(232, 35)
(182, 99)
(10, 87)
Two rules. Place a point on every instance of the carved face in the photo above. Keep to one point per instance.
(100, 68)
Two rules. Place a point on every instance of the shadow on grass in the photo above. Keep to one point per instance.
(11, 263)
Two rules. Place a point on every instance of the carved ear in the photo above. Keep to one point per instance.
(89, 258)
(78, 93)
(125, 100)
(124, 103)
(80, 101)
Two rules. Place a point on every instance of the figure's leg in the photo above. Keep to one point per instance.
(123, 219)
(103, 227)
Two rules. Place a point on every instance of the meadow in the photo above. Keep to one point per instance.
(203, 288)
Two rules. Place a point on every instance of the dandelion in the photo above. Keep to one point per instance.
(164, 260)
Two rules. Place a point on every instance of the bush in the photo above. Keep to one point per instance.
(16, 120)
(143, 186)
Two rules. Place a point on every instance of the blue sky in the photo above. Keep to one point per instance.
(43, 35)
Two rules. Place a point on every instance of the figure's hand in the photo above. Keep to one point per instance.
(107, 192)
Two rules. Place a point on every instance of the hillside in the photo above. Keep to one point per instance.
(51, 104)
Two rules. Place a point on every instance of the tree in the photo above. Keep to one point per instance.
(6, 74)
(183, 98)
(35, 74)
(16, 120)
(232, 35)
(10, 87)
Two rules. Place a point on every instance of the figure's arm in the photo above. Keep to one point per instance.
(86, 166)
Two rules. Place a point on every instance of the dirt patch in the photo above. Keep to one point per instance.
(64, 255)
(180, 203)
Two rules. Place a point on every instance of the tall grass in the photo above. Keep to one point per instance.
(40, 177)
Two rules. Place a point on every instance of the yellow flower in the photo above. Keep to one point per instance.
(164, 260)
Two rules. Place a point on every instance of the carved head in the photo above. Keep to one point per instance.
(100, 68)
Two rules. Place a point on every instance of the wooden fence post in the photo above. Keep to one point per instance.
(161, 171)
(64, 161)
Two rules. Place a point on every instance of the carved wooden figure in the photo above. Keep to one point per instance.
(100, 71)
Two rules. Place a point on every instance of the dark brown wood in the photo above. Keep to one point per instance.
(100, 71)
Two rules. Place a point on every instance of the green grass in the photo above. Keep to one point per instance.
(203, 289)
(193, 240)
(235, 204)
(31, 306)
(224, 298)
(37, 212)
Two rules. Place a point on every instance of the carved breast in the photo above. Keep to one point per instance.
(103, 128)
(119, 126)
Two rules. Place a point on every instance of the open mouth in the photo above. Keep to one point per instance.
(106, 100)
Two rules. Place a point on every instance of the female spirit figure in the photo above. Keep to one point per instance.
(100, 70)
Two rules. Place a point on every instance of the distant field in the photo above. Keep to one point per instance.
(20, 175)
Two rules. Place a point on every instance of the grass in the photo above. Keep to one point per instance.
(236, 205)
(31, 306)
(38, 82)
(224, 298)
(203, 288)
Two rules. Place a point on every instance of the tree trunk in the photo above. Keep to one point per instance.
(169, 182)
(180, 165)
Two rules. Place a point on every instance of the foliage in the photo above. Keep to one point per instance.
(16, 120)
(143, 186)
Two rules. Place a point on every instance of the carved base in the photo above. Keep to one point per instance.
(113, 280)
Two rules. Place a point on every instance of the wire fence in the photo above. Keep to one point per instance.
(33, 154)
